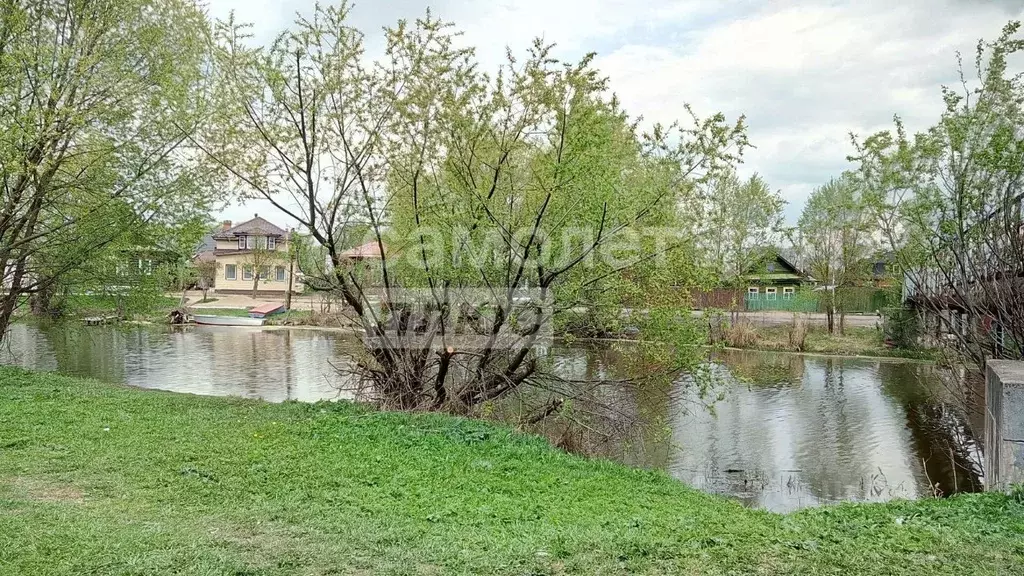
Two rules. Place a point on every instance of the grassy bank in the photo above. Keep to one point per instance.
(99, 479)
(857, 341)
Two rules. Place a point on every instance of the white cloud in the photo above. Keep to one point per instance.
(806, 76)
(805, 73)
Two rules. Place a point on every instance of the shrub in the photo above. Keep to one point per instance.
(902, 328)
(798, 334)
(741, 335)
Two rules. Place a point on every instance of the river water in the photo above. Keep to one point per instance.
(789, 431)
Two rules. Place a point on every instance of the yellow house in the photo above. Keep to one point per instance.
(254, 247)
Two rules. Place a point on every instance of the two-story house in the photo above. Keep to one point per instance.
(254, 247)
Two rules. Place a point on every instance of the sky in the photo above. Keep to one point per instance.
(806, 74)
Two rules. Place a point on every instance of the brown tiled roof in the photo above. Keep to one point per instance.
(370, 250)
(255, 227)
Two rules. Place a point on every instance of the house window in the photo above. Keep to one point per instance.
(241, 242)
(265, 273)
(230, 270)
(752, 292)
(271, 243)
(261, 242)
(769, 293)
(280, 273)
(787, 292)
(145, 267)
(246, 272)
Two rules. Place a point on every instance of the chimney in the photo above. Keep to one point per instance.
(225, 225)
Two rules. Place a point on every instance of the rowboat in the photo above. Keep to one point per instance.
(227, 320)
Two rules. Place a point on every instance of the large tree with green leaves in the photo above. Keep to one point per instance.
(494, 203)
(948, 203)
(742, 221)
(96, 101)
(835, 234)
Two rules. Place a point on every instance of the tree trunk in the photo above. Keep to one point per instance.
(288, 293)
(41, 301)
(255, 285)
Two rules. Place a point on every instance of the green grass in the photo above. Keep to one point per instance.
(101, 479)
(858, 341)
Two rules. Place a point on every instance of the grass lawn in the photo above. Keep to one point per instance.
(101, 479)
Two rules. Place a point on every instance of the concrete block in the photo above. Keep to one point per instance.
(1004, 424)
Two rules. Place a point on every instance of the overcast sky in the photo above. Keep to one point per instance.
(806, 73)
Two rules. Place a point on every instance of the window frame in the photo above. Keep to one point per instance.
(753, 291)
(271, 243)
(250, 242)
(788, 292)
(265, 273)
(241, 242)
(280, 274)
(234, 271)
(247, 272)
(771, 293)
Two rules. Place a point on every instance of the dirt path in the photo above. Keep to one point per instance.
(775, 318)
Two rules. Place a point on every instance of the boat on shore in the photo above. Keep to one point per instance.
(213, 320)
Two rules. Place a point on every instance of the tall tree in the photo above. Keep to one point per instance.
(473, 188)
(96, 100)
(835, 228)
(743, 220)
(948, 202)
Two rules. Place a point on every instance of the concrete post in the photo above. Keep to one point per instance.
(1004, 424)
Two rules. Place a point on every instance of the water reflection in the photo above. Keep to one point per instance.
(275, 365)
(791, 430)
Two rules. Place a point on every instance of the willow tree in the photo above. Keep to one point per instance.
(96, 100)
(493, 203)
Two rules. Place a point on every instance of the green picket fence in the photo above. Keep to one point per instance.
(864, 301)
(781, 302)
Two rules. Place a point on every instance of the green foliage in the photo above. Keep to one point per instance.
(835, 238)
(739, 223)
(947, 200)
(205, 485)
(532, 177)
(96, 102)
(903, 327)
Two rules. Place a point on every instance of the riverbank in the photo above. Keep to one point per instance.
(97, 478)
(857, 341)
